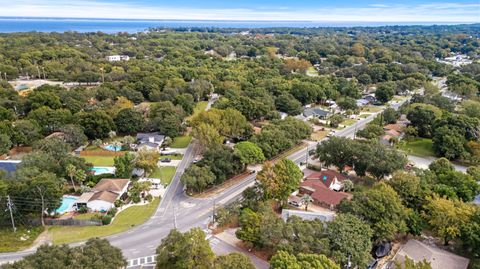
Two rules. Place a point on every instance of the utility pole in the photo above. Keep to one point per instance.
(44, 76)
(306, 158)
(38, 71)
(213, 212)
(9, 205)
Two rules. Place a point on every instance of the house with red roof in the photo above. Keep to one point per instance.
(325, 188)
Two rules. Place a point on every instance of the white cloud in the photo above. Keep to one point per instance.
(434, 12)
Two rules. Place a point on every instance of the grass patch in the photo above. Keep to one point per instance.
(181, 141)
(348, 122)
(10, 241)
(364, 116)
(422, 147)
(99, 160)
(319, 135)
(173, 157)
(125, 220)
(87, 216)
(164, 173)
(372, 109)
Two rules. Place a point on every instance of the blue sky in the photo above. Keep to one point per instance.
(319, 10)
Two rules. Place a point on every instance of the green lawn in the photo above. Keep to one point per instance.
(364, 116)
(99, 160)
(371, 109)
(422, 147)
(10, 241)
(349, 122)
(165, 173)
(181, 141)
(87, 216)
(124, 220)
(173, 157)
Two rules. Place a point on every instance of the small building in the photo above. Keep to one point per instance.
(392, 131)
(331, 179)
(102, 197)
(9, 166)
(150, 141)
(438, 258)
(117, 58)
(307, 215)
(325, 188)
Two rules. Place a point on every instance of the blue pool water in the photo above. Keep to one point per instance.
(67, 203)
(103, 170)
(113, 148)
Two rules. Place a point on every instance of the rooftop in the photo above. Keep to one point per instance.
(109, 184)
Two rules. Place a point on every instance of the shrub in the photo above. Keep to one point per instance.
(106, 219)
(118, 203)
(82, 210)
(112, 212)
(136, 199)
(149, 197)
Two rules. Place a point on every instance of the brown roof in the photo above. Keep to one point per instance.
(327, 176)
(397, 127)
(393, 133)
(106, 196)
(437, 257)
(109, 184)
(324, 194)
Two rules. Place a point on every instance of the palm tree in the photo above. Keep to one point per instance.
(80, 176)
(116, 145)
(97, 143)
(306, 199)
(71, 172)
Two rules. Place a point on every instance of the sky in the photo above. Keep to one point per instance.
(459, 11)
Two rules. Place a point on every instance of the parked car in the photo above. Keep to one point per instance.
(383, 250)
(165, 160)
(295, 203)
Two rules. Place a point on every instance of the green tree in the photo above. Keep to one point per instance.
(335, 120)
(280, 180)
(207, 135)
(284, 260)
(448, 143)
(197, 178)
(124, 165)
(188, 250)
(5, 144)
(390, 115)
(411, 264)
(233, 261)
(147, 160)
(96, 124)
(349, 237)
(470, 233)
(447, 217)
(385, 91)
(249, 153)
(71, 172)
(372, 131)
(288, 104)
(73, 135)
(129, 121)
(382, 208)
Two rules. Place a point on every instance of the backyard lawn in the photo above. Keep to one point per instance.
(164, 173)
(371, 109)
(127, 219)
(10, 241)
(319, 135)
(348, 122)
(422, 147)
(181, 141)
(99, 160)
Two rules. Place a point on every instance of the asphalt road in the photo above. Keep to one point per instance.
(183, 212)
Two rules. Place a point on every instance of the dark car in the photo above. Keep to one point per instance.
(373, 264)
(383, 250)
(165, 160)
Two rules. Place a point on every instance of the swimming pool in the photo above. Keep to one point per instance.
(103, 170)
(111, 147)
(67, 204)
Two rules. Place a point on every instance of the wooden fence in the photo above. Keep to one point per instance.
(101, 153)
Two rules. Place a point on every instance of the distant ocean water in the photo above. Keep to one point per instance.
(11, 25)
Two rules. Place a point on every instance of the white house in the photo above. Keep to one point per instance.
(117, 58)
(150, 141)
(102, 197)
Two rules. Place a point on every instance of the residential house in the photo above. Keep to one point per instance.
(150, 141)
(392, 131)
(438, 258)
(307, 215)
(117, 58)
(9, 166)
(325, 188)
(102, 197)
(310, 113)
